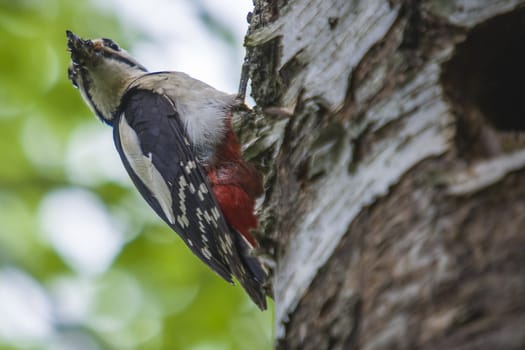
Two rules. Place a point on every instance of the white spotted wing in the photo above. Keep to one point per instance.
(154, 148)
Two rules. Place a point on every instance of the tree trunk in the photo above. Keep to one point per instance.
(394, 150)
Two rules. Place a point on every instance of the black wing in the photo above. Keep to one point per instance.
(155, 150)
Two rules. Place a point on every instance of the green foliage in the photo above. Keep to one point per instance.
(155, 294)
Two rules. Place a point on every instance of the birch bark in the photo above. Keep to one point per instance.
(395, 202)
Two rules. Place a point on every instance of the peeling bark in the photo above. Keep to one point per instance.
(395, 201)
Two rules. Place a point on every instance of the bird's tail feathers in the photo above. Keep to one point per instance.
(251, 274)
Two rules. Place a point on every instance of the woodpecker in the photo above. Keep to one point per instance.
(174, 136)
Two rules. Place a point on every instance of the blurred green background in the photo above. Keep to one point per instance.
(84, 263)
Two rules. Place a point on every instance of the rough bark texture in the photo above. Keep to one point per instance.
(395, 202)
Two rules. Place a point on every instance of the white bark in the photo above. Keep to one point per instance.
(407, 117)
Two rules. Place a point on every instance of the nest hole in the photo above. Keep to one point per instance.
(485, 82)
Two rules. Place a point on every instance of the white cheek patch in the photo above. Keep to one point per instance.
(144, 168)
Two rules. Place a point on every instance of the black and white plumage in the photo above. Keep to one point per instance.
(167, 127)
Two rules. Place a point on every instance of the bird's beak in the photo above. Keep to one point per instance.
(78, 47)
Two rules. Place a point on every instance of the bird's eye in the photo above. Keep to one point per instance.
(111, 44)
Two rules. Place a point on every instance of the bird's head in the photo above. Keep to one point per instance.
(101, 70)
